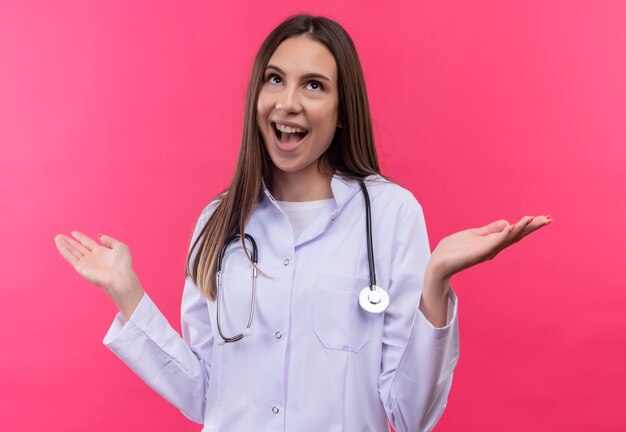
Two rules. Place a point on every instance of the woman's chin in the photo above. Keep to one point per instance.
(292, 165)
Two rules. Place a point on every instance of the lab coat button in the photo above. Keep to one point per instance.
(278, 335)
(286, 263)
(275, 409)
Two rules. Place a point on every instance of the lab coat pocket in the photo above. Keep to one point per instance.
(338, 320)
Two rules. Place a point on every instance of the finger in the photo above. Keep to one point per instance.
(71, 248)
(538, 222)
(79, 248)
(62, 241)
(543, 220)
(500, 241)
(89, 243)
(518, 229)
(493, 227)
(496, 241)
(67, 252)
(515, 233)
(109, 241)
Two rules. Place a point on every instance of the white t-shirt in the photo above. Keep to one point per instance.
(301, 214)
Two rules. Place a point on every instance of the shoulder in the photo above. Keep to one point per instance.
(210, 208)
(391, 196)
(205, 215)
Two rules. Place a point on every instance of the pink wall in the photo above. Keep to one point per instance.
(124, 118)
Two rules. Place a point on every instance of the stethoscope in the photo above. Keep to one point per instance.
(372, 298)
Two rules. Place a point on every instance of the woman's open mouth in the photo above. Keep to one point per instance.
(288, 138)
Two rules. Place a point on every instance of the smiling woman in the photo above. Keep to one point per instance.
(348, 321)
(297, 113)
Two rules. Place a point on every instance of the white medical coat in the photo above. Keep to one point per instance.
(315, 360)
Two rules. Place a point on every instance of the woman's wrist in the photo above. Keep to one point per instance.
(127, 294)
(436, 281)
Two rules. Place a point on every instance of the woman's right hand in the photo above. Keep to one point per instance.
(108, 265)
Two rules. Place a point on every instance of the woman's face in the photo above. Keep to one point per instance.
(298, 105)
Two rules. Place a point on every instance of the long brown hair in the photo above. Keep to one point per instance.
(351, 154)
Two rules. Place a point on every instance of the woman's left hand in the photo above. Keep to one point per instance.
(466, 248)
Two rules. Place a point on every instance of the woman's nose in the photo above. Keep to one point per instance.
(288, 101)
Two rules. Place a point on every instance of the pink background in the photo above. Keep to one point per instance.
(124, 118)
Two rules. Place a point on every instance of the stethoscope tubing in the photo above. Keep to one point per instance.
(254, 257)
(373, 299)
(368, 227)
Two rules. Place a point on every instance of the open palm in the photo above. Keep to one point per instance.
(107, 265)
(470, 247)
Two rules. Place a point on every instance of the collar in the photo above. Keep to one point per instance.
(344, 189)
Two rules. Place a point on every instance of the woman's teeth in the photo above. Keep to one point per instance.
(289, 136)
(289, 129)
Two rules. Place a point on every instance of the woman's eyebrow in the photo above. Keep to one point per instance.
(305, 76)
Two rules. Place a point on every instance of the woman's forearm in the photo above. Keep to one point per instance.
(434, 301)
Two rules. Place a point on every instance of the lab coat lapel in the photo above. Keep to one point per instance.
(343, 191)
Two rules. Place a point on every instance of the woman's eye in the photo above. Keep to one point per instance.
(273, 79)
(312, 85)
(315, 85)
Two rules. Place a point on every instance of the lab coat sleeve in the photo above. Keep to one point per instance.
(418, 359)
(177, 368)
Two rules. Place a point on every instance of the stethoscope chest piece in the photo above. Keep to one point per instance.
(374, 299)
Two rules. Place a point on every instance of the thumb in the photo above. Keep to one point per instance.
(494, 227)
(108, 241)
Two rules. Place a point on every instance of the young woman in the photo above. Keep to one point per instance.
(344, 320)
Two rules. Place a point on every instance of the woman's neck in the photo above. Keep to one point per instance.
(306, 185)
